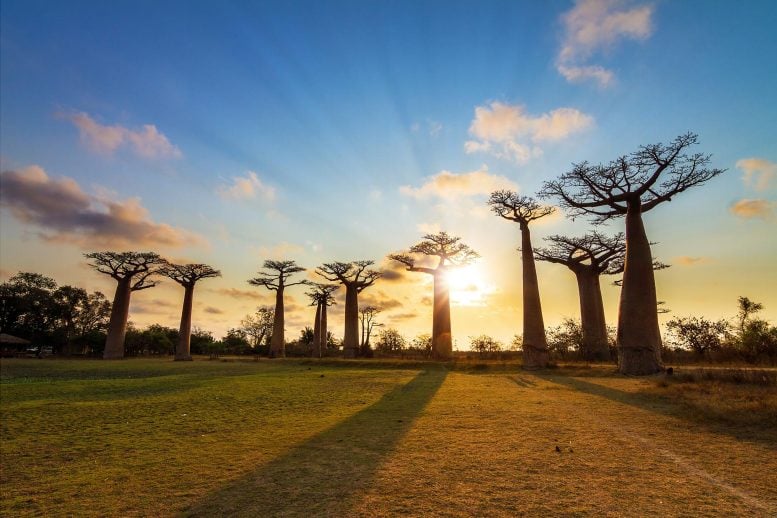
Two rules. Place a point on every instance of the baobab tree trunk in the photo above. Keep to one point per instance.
(351, 335)
(278, 340)
(117, 327)
(595, 346)
(317, 332)
(182, 352)
(535, 345)
(324, 331)
(442, 347)
(639, 337)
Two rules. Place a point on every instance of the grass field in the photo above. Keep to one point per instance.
(205, 438)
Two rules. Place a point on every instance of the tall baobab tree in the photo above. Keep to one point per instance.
(187, 276)
(132, 271)
(450, 253)
(630, 186)
(367, 317)
(588, 257)
(276, 278)
(523, 210)
(321, 297)
(356, 277)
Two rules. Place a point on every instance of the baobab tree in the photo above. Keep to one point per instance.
(356, 277)
(523, 210)
(450, 253)
(588, 257)
(187, 276)
(367, 317)
(132, 271)
(321, 297)
(630, 186)
(276, 278)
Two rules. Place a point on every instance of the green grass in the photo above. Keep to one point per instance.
(205, 438)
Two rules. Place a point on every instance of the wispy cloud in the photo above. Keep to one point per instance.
(754, 209)
(686, 260)
(213, 310)
(67, 214)
(240, 294)
(507, 131)
(451, 186)
(759, 172)
(247, 187)
(147, 142)
(593, 26)
(280, 251)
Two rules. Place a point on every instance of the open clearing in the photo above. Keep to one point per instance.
(153, 437)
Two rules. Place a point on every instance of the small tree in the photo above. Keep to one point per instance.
(485, 345)
(390, 341)
(567, 337)
(276, 278)
(698, 334)
(367, 318)
(132, 271)
(747, 308)
(258, 326)
(449, 252)
(523, 210)
(187, 276)
(356, 277)
(322, 297)
(630, 186)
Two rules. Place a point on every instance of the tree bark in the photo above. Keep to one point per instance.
(182, 352)
(351, 335)
(278, 340)
(639, 337)
(595, 346)
(535, 345)
(324, 331)
(117, 327)
(442, 347)
(317, 332)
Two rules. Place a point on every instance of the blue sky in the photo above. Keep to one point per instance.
(253, 129)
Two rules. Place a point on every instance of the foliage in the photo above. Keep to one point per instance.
(390, 341)
(698, 334)
(258, 327)
(565, 339)
(485, 345)
(422, 344)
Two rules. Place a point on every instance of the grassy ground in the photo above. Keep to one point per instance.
(153, 437)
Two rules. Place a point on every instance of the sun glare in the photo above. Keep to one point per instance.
(468, 285)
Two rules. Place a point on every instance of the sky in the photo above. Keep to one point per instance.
(229, 133)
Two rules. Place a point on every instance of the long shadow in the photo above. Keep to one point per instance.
(322, 475)
(651, 403)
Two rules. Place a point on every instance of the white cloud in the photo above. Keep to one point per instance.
(750, 209)
(509, 132)
(592, 26)
(247, 188)
(428, 228)
(450, 186)
(759, 172)
(281, 251)
(147, 142)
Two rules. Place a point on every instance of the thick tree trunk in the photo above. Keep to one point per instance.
(351, 335)
(182, 352)
(442, 346)
(278, 340)
(535, 345)
(595, 346)
(639, 337)
(324, 331)
(117, 327)
(317, 333)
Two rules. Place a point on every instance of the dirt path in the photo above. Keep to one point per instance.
(549, 445)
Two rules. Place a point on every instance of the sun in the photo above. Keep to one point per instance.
(468, 285)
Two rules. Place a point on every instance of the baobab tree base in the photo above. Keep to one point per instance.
(534, 357)
(183, 358)
(638, 361)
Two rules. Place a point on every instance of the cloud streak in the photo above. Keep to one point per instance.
(754, 209)
(509, 132)
(758, 172)
(451, 186)
(247, 187)
(593, 26)
(147, 142)
(67, 214)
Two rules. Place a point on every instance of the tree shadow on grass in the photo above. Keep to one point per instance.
(652, 403)
(322, 475)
